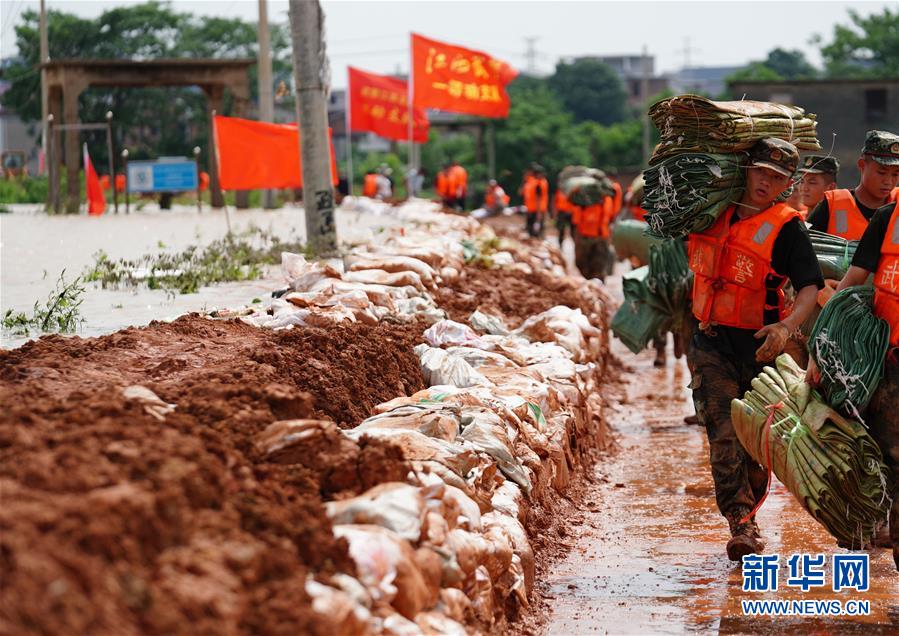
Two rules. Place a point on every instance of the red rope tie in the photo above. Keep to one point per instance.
(772, 409)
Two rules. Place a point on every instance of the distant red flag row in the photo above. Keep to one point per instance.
(255, 155)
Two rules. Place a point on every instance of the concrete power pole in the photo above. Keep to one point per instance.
(45, 102)
(264, 79)
(310, 68)
(644, 97)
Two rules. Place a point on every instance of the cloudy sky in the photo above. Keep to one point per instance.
(373, 35)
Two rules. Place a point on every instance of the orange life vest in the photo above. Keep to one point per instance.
(894, 195)
(534, 201)
(731, 263)
(591, 221)
(494, 196)
(846, 220)
(458, 178)
(886, 279)
(370, 185)
(562, 203)
(615, 202)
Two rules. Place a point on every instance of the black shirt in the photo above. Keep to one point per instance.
(793, 258)
(819, 218)
(867, 255)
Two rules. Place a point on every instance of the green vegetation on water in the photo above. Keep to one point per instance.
(60, 313)
(236, 257)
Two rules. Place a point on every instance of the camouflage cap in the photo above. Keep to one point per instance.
(776, 154)
(820, 164)
(882, 147)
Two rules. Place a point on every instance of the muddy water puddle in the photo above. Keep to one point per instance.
(649, 555)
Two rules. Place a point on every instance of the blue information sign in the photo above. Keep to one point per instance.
(167, 175)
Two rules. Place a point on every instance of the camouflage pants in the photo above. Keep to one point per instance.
(718, 379)
(882, 419)
(592, 256)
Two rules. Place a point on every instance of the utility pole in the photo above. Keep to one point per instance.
(644, 97)
(310, 68)
(45, 102)
(530, 54)
(264, 80)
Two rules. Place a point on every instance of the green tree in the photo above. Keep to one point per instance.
(590, 90)
(755, 72)
(538, 129)
(790, 64)
(869, 47)
(152, 121)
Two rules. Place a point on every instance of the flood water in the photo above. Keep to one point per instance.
(35, 248)
(649, 556)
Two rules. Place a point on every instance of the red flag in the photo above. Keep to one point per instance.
(96, 202)
(380, 104)
(459, 80)
(254, 155)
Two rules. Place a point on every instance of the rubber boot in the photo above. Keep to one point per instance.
(745, 538)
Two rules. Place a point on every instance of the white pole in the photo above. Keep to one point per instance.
(264, 82)
(411, 92)
(349, 142)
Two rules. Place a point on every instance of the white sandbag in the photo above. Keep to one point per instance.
(450, 332)
(434, 420)
(487, 432)
(391, 279)
(487, 323)
(302, 275)
(442, 367)
(395, 263)
(396, 506)
(386, 565)
(337, 612)
(459, 456)
(478, 357)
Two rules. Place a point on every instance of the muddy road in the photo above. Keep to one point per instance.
(648, 551)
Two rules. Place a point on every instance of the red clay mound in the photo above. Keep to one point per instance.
(116, 521)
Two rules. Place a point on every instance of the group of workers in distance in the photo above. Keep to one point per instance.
(743, 317)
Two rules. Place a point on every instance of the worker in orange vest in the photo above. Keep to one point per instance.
(535, 192)
(495, 198)
(633, 199)
(458, 182)
(591, 238)
(370, 184)
(563, 208)
(741, 265)
(444, 186)
(846, 213)
(878, 254)
(818, 175)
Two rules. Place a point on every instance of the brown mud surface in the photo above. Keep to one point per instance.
(509, 294)
(117, 521)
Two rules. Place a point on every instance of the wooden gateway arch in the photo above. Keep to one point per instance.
(68, 78)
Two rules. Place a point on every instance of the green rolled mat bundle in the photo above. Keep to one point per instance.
(638, 320)
(585, 186)
(670, 280)
(629, 238)
(829, 463)
(834, 253)
(688, 192)
(690, 123)
(655, 296)
(849, 344)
